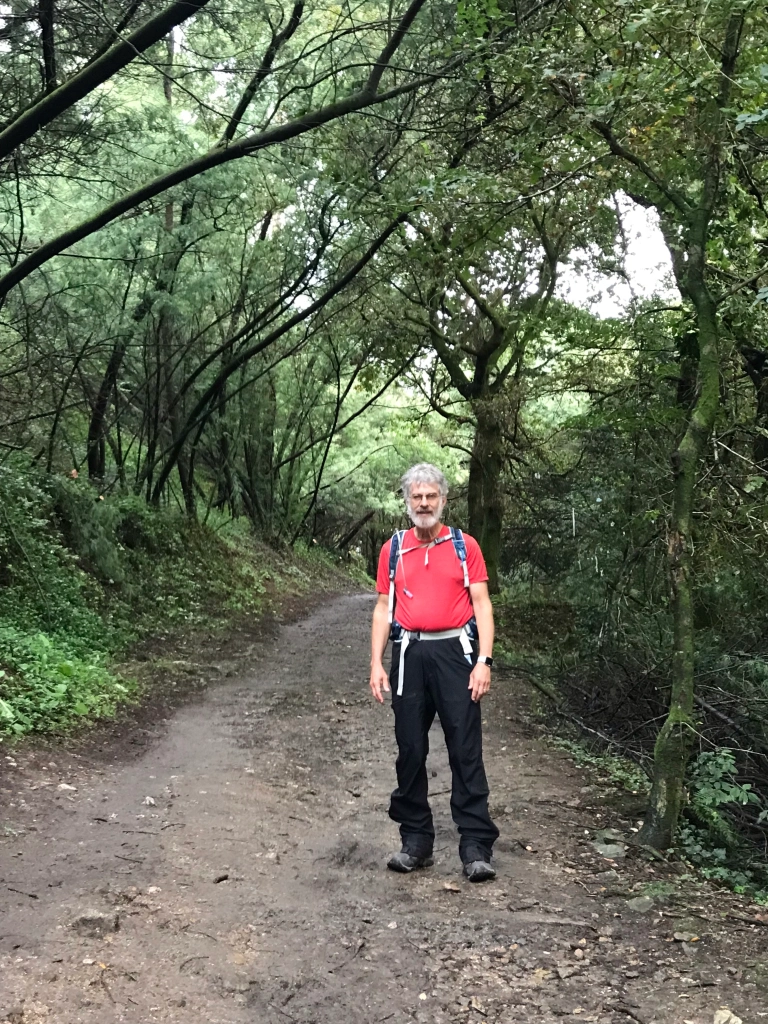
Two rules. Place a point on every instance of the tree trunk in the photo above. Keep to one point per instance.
(484, 499)
(673, 744)
(96, 427)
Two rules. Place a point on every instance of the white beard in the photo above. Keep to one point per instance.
(426, 521)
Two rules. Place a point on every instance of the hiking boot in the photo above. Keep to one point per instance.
(406, 862)
(479, 871)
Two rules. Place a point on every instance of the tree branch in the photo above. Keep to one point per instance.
(214, 158)
(42, 112)
(264, 68)
(45, 16)
(680, 203)
(213, 390)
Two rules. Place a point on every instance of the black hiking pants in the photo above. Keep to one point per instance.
(436, 680)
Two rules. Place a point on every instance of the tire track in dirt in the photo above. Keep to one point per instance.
(243, 855)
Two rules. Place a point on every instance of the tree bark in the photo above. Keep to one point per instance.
(673, 743)
(96, 431)
(485, 501)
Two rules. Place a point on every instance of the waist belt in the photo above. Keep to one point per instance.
(407, 635)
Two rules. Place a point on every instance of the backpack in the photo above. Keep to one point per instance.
(459, 546)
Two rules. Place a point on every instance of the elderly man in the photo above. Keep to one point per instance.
(433, 602)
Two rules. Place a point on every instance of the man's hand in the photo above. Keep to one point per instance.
(479, 681)
(379, 682)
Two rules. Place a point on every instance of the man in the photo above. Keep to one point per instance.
(433, 591)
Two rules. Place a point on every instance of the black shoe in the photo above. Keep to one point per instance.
(479, 871)
(406, 862)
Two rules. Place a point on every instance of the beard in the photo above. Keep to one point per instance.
(426, 520)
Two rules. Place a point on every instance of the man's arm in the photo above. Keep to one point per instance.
(480, 679)
(379, 637)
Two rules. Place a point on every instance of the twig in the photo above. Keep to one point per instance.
(189, 961)
(583, 885)
(21, 892)
(105, 986)
(281, 1010)
(344, 963)
(748, 920)
(621, 1008)
(132, 860)
(539, 919)
(173, 824)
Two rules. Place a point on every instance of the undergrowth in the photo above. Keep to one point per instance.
(705, 839)
(83, 576)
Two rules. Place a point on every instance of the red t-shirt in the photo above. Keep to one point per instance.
(439, 600)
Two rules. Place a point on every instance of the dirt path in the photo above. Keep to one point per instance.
(242, 857)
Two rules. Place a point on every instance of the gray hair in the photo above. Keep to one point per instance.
(423, 473)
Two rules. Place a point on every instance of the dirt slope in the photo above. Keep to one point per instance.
(242, 856)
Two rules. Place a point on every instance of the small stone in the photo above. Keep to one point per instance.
(566, 972)
(611, 851)
(95, 924)
(392, 924)
(685, 937)
(149, 801)
(640, 904)
(64, 787)
(611, 875)
(724, 1016)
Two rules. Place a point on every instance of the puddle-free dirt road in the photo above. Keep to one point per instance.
(234, 872)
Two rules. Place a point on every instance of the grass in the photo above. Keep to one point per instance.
(81, 581)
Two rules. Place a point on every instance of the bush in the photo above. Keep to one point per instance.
(44, 684)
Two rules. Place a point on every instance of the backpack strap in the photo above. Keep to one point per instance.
(394, 553)
(460, 547)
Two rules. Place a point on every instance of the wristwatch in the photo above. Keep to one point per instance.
(484, 659)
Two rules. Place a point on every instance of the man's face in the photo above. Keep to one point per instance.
(425, 505)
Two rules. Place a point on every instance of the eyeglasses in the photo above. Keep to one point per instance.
(430, 498)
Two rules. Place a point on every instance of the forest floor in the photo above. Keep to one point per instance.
(221, 860)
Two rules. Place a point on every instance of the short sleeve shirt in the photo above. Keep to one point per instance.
(429, 582)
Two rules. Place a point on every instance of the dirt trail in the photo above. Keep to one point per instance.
(243, 856)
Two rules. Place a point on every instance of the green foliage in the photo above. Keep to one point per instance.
(734, 866)
(713, 782)
(42, 586)
(45, 685)
(607, 768)
(84, 575)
